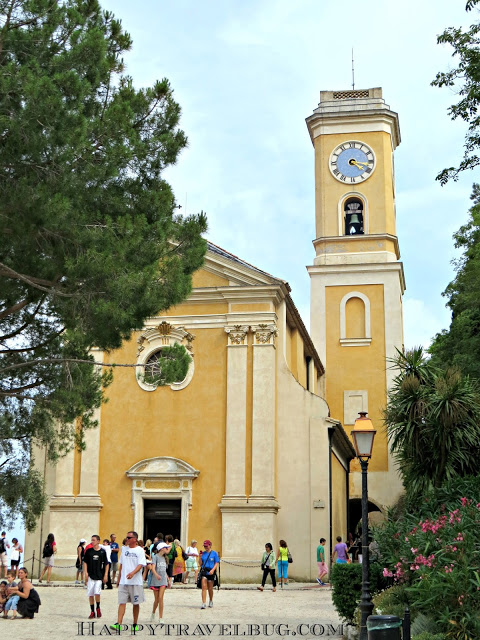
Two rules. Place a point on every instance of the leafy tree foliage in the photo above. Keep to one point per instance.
(90, 240)
(432, 419)
(170, 364)
(466, 79)
(460, 344)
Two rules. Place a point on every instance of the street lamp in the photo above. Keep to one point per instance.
(363, 435)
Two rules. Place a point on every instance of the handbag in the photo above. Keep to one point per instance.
(203, 572)
(289, 557)
(264, 564)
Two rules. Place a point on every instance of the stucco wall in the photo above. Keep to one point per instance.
(302, 473)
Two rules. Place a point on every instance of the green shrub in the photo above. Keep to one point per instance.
(346, 581)
(424, 624)
(426, 635)
(391, 602)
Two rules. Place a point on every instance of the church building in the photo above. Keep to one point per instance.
(253, 444)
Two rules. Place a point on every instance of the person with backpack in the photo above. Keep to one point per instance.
(49, 549)
(171, 555)
(3, 554)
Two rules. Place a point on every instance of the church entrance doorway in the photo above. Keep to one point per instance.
(161, 516)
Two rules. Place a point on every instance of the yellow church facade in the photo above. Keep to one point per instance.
(252, 446)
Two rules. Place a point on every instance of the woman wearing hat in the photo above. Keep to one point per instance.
(79, 562)
(158, 583)
(210, 562)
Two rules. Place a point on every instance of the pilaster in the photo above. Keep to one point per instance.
(236, 427)
(263, 418)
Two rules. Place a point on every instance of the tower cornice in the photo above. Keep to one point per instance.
(353, 112)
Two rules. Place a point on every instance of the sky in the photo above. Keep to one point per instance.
(248, 72)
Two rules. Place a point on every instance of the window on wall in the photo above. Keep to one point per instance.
(353, 216)
(167, 364)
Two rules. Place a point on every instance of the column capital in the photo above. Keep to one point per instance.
(264, 333)
(237, 334)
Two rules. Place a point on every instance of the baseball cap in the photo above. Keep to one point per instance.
(82, 540)
(161, 545)
(207, 543)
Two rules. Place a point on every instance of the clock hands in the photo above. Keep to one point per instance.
(357, 164)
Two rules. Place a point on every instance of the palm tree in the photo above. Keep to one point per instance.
(433, 421)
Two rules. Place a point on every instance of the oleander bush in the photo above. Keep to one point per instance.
(436, 558)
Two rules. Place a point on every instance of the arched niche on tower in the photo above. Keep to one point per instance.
(355, 319)
(352, 214)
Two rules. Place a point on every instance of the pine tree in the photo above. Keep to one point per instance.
(91, 242)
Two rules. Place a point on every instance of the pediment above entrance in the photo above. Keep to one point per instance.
(162, 467)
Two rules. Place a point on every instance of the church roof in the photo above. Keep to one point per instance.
(214, 248)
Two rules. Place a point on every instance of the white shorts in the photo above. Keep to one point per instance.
(94, 587)
(49, 562)
(3, 559)
(131, 593)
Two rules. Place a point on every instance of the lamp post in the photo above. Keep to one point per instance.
(363, 435)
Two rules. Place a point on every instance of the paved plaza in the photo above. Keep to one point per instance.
(301, 610)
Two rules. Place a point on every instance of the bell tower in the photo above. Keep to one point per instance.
(357, 281)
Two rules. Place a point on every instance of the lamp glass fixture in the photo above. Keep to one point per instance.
(363, 435)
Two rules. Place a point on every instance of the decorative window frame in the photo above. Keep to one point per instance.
(354, 342)
(152, 340)
(341, 212)
(162, 478)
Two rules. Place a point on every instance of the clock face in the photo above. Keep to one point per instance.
(352, 162)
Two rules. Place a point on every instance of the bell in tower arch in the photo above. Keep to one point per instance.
(353, 210)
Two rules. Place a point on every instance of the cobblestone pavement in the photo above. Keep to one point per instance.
(301, 610)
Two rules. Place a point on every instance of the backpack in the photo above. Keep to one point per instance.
(47, 550)
(172, 554)
(2, 545)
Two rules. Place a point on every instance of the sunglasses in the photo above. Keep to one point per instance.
(129, 537)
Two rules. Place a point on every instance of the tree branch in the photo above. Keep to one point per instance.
(33, 282)
(12, 334)
(17, 390)
(65, 360)
(16, 307)
(37, 346)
